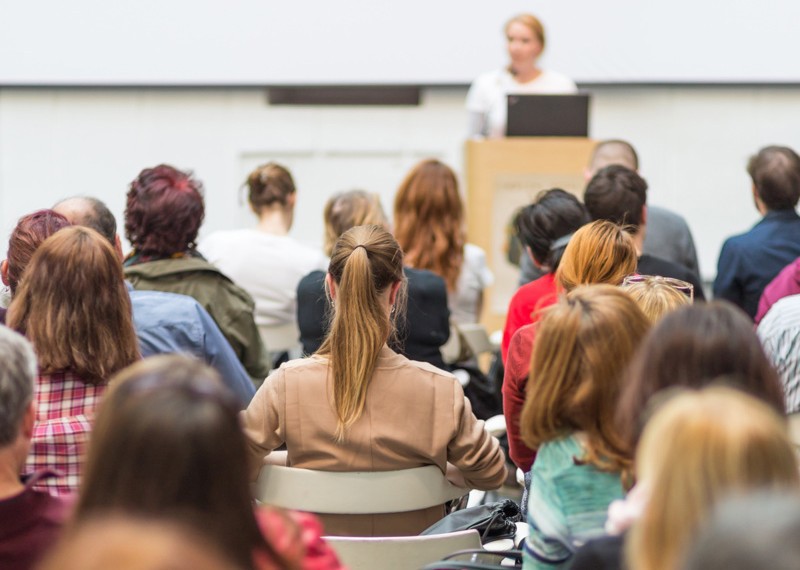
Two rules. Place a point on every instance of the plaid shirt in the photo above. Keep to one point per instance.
(65, 407)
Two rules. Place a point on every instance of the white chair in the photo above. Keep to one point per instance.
(330, 492)
(400, 552)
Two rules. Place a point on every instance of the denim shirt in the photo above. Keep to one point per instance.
(172, 323)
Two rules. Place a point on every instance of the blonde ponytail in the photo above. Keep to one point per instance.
(365, 262)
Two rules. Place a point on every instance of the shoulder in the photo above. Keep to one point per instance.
(424, 279)
(665, 217)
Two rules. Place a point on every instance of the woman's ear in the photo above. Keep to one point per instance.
(4, 271)
(393, 292)
(331, 285)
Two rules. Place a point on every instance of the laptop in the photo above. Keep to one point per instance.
(548, 116)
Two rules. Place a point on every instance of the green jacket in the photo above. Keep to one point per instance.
(228, 304)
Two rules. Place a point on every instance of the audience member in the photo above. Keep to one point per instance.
(657, 296)
(786, 283)
(668, 235)
(619, 195)
(600, 252)
(697, 449)
(168, 443)
(265, 261)
(544, 228)
(79, 322)
(779, 332)
(27, 235)
(162, 217)
(583, 344)
(758, 530)
(29, 520)
(693, 347)
(426, 326)
(749, 261)
(165, 322)
(429, 225)
(363, 407)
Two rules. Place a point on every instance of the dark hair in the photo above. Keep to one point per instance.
(90, 212)
(73, 306)
(758, 530)
(167, 441)
(269, 184)
(616, 194)
(164, 211)
(775, 172)
(693, 347)
(26, 237)
(554, 214)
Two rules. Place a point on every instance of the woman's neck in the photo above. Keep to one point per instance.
(527, 73)
(275, 221)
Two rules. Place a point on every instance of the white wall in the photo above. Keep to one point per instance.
(693, 141)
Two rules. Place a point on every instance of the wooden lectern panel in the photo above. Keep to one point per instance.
(503, 175)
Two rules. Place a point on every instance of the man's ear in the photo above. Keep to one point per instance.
(28, 421)
(644, 216)
(4, 272)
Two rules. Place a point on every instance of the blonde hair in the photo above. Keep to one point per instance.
(532, 23)
(365, 262)
(600, 252)
(429, 220)
(698, 448)
(655, 297)
(346, 210)
(583, 344)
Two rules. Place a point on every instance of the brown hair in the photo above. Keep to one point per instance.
(73, 305)
(532, 23)
(429, 220)
(693, 347)
(365, 262)
(600, 252)
(582, 346)
(346, 210)
(269, 184)
(167, 442)
(775, 172)
(698, 448)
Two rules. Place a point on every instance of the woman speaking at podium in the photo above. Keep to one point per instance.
(486, 100)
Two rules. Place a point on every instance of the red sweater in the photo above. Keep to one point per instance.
(529, 298)
(515, 380)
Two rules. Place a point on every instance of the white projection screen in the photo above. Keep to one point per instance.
(413, 42)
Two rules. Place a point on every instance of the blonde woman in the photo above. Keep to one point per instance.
(429, 225)
(583, 344)
(697, 449)
(657, 296)
(356, 405)
(600, 252)
(486, 100)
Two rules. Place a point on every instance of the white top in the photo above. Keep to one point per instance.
(487, 100)
(267, 266)
(474, 278)
(779, 332)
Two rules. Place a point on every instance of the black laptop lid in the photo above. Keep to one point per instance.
(548, 116)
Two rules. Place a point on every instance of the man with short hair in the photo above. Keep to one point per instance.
(165, 322)
(749, 261)
(29, 520)
(619, 195)
(668, 235)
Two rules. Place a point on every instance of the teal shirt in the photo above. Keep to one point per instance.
(567, 504)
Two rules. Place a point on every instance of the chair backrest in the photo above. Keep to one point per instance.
(330, 492)
(401, 552)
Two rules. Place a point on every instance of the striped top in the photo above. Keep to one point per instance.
(779, 332)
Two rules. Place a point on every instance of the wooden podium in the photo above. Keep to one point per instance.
(503, 175)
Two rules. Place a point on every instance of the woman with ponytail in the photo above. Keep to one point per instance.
(356, 405)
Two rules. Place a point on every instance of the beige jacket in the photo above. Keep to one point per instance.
(415, 415)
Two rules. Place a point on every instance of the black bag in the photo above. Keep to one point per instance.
(494, 521)
(478, 560)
